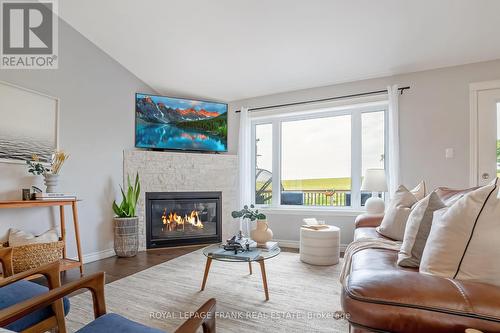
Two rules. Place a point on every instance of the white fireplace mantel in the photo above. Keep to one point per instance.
(184, 172)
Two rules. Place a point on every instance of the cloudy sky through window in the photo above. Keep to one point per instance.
(321, 147)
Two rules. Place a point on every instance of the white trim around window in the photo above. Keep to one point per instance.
(276, 120)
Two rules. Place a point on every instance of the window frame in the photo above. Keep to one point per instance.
(276, 120)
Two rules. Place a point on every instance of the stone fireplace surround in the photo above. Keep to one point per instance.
(184, 172)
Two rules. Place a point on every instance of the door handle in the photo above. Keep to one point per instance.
(485, 176)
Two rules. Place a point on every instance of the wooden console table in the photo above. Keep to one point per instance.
(66, 263)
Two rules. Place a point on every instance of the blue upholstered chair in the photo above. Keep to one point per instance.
(104, 323)
(14, 289)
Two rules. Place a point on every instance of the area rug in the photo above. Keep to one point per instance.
(303, 298)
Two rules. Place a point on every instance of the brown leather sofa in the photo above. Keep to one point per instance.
(381, 296)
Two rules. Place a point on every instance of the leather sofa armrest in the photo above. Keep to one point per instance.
(368, 221)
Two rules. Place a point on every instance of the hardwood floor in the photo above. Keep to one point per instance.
(118, 268)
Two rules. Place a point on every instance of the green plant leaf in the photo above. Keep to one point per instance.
(137, 188)
(129, 199)
(118, 211)
(123, 195)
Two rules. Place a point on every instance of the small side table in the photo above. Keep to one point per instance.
(320, 247)
(66, 263)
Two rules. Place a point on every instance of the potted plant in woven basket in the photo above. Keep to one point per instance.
(126, 221)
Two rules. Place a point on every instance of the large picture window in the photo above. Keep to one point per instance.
(317, 159)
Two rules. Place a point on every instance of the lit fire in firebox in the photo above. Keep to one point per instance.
(178, 222)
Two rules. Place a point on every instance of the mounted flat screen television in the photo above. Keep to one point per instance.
(168, 123)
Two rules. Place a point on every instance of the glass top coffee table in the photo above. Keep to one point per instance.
(210, 253)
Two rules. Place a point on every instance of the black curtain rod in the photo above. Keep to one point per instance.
(402, 89)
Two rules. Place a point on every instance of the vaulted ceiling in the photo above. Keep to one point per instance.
(233, 49)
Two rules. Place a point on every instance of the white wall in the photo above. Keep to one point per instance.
(96, 125)
(434, 115)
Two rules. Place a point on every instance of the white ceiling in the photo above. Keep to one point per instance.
(234, 49)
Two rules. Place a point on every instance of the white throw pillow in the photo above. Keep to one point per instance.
(20, 237)
(394, 222)
(464, 241)
(417, 230)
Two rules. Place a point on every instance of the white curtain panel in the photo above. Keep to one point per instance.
(244, 155)
(393, 160)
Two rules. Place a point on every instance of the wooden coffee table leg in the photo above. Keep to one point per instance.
(264, 278)
(250, 267)
(205, 276)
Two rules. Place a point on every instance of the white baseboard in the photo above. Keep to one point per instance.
(94, 256)
(288, 243)
(296, 244)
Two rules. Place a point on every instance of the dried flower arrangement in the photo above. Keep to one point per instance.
(37, 168)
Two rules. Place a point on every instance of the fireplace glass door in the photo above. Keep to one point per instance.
(178, 221)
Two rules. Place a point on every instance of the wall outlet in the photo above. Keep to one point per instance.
(449, 153)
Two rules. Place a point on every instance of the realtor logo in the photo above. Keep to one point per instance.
(29, 34)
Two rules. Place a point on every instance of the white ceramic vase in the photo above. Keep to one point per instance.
(50, 181)
(262, 233)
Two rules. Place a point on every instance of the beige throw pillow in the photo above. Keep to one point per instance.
(19, 237)
(394, 222)
(463, 242)
(417, 230)
(419, 191)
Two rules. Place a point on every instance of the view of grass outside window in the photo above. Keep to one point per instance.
(372, 145)
(315, 159)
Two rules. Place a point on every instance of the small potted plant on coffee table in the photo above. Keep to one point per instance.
(262, 233)
(126, 221)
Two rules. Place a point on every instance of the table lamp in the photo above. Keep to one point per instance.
(374, 182)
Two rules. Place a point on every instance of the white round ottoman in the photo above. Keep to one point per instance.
(320, 247)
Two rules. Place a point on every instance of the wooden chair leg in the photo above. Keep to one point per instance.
(204, 317)
(58, 308)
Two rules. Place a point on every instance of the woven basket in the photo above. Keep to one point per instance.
(31, 256)
(126, 236)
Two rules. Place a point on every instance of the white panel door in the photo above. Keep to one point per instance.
(488, 135)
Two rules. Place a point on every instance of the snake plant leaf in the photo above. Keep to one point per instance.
(137, 187)
(130, 198)
(116, 209)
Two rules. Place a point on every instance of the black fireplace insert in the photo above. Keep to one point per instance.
(183, 218)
